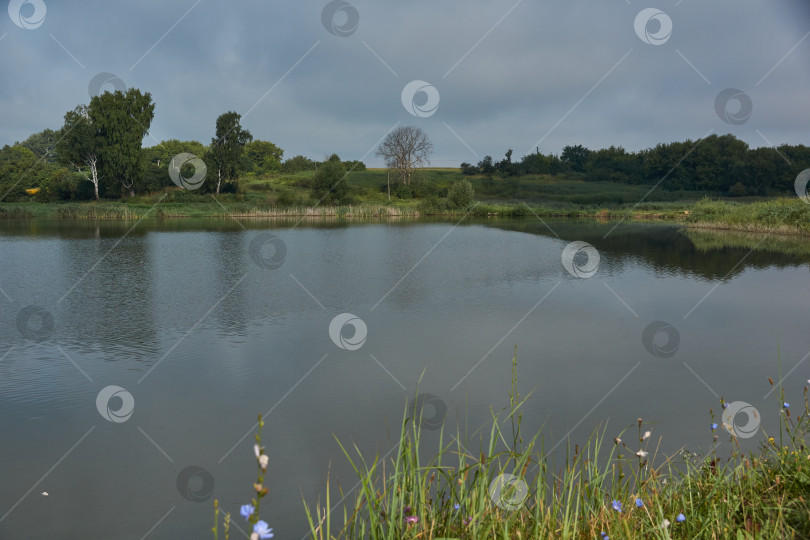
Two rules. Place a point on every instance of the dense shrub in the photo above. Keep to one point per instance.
(460, 194)
(330, 185)
(297, 164)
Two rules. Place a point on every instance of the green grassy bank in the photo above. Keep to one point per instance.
(289, 195)
(782, 216)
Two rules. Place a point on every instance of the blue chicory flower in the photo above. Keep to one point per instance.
(639, 503)
(617, 505)
(681, 518)
(246, 510)
(714, 426)
(263, 530)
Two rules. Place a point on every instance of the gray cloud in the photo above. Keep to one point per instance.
(519, 84)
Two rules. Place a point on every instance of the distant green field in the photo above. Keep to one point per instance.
(370, 186)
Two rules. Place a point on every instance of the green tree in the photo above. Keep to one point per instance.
(614, 164)
(468, 169)
(161, 154)
(575, 157)
(297, 164)
(719, 162)
(799, 157)
(17, 165)
(227, 147)
(669, 162)
(354, 165)
(62, 183)
(43, 145)
(765, 167)
(264, 156)
(461, 194)
(122, 120)
(534, 163)
(506, 167)
(486, 166)
(156, 159)
(329, 184)
(80, 145)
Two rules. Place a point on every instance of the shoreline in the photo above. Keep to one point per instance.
(138, 210)
(749, 228)
(784, 217)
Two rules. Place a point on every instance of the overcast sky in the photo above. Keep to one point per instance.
(516, 74)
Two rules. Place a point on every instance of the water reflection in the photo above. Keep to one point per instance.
(666, 248)
(673, 250)
(107, 292)
(178, 313)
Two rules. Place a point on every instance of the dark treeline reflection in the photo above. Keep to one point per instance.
(667, 248)
(113, 301)
(671, 249)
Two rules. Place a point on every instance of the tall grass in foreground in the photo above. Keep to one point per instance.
(510, 488)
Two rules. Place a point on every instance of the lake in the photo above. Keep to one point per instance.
(135, 356)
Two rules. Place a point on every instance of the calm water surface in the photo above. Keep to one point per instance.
(179, 315)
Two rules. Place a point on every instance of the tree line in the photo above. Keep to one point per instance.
(98, 153)
(718, 163)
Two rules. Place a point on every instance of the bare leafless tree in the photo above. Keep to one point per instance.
(405, 149)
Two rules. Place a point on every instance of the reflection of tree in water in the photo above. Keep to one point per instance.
(230, 261)
(707, 240)
(111, 305)
(664, 247)
(117, 228)
(671, 249)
